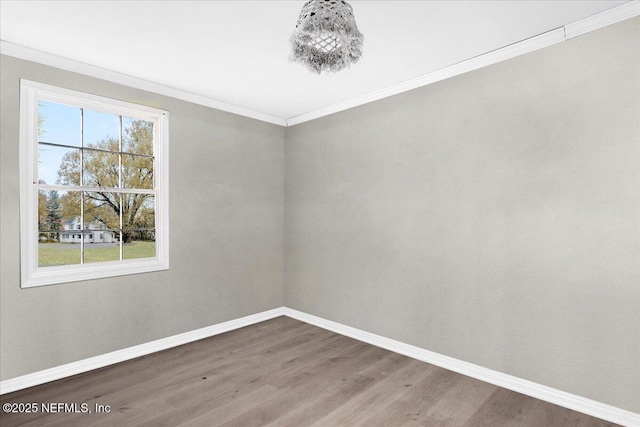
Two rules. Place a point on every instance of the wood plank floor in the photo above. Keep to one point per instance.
(284, 373)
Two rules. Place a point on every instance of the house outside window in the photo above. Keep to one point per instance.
(97, 166)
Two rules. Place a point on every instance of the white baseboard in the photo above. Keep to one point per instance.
(118, 356)
(539, 391)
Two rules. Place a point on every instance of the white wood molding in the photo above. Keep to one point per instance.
(28, 54)
(118, 356)
(538, 391)
(603, 19)
(481, 61)
(33, 275)
(591, 23)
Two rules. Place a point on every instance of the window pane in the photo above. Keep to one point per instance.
(139, 232)
(101, 211)
(142, 244)
(70, 207)
(57, 211)
(58, 165)
(137, 172)
(101, 130)
(50, 254)
(101, 245)
(139, 211)
(58, 123)
(137, 136)
(101, 226)
(58, 222)
(100, 169)
(50, 218)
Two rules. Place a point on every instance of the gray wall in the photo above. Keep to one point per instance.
(226, 227)
(492, 217)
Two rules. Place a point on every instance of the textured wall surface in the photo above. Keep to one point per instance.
(226, 219)
(493, 217)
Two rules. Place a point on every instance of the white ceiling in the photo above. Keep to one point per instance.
(237, 51)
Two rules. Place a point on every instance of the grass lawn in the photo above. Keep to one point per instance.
(69, 253)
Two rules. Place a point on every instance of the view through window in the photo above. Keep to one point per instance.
(98, 182)
(80, 147)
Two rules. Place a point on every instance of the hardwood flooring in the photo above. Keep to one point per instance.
(283, 373)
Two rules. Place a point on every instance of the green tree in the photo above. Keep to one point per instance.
(102, 169)
(42, 213)
(42, 210)
(54, 215)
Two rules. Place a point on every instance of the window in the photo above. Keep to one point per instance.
(90, 163)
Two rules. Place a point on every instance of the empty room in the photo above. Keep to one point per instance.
(320, 213)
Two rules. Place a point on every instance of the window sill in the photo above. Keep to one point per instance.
(66, 273)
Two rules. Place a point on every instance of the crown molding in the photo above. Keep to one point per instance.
(591, 23)
(603, 19)
(528, 45)
(28, 54)
(569, 31)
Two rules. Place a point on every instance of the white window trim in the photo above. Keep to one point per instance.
(32, 275)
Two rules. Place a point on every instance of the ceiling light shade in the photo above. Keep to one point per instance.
(326, 37)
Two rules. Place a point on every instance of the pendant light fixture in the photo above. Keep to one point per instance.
(326, 37)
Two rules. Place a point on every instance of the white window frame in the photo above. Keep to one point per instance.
(32, 275)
